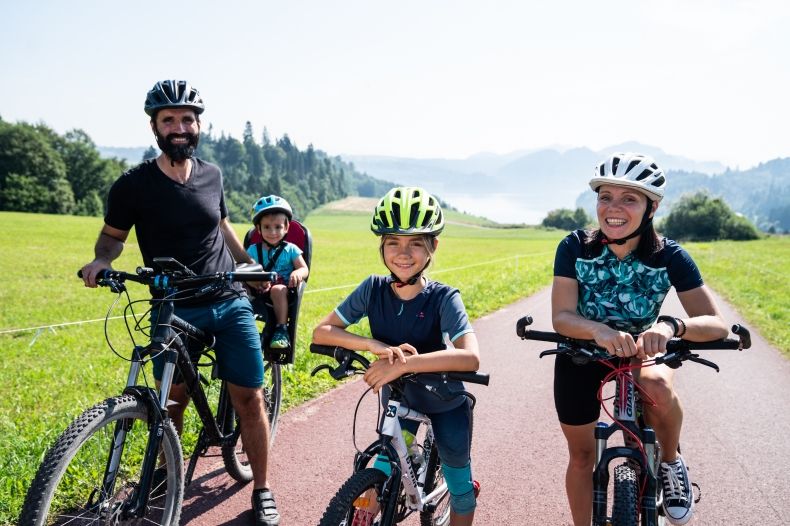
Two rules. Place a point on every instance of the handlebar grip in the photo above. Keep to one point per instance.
(99, 275)
(325, 350)
(521, 325)
(471, 377)
(254, 276)
(743, 333)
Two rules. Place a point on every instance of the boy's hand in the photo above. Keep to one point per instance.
(294, 280)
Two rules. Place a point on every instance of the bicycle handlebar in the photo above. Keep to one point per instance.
(678, 350)
(346, 359)
(172, 279)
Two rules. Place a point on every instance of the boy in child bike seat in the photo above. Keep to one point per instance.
(270, 216)
(609, 285)
(177, 206)
(409, 315)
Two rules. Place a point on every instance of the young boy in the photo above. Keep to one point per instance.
(271, 216)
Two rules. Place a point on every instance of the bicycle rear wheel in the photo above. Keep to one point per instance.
(234, 456)
(357, 497)
(67, 488)
(625, 510)
(440, 516)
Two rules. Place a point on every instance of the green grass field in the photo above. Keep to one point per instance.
(50, 375)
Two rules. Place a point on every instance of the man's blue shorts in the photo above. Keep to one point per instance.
(238, 345)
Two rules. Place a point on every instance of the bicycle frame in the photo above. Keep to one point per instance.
(391, 442)
(627, 415)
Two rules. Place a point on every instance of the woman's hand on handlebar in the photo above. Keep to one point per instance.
(617, 343)
(391, 352)
(654, 340)
(381, 372)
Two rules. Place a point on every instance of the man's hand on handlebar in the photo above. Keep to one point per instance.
(90, 271)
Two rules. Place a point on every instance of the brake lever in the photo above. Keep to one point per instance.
(703, 361)
(320, 368)
(115, 286)
(550, 352)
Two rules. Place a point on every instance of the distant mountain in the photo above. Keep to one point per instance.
(131, 155)
(519, 187)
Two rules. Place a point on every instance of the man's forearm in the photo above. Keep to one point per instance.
(107, 248)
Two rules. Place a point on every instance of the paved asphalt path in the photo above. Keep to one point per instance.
(736, 438)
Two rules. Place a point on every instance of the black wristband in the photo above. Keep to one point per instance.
(672, 321)
(682, 327)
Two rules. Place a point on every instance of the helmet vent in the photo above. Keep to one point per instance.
(414, 214)
(659, 182)
(644, 175)
(395, 214)
(633, 164)
(615, 164)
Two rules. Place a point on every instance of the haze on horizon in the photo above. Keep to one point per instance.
(704, 79)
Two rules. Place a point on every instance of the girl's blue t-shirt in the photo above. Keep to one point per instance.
(423, 321)
(624, 294)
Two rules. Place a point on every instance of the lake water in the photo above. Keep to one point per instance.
(506, 208)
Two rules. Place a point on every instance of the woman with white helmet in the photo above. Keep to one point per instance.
(608, 286)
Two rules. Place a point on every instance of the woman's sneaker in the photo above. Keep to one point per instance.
(280, 339)
(678, 498)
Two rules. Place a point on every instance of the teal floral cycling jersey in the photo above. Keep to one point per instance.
(625, 294)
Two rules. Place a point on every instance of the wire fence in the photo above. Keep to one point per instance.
(41, 329)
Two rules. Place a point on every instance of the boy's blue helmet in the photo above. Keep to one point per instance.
(270, 204)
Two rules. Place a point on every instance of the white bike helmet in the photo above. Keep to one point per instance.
(632, 170)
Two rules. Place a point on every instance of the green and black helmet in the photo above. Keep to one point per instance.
(173, 94)
(407, 211)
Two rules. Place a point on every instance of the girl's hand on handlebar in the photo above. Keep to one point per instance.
(617, 343)
(654, 340)
(391, 353)
(380, 373)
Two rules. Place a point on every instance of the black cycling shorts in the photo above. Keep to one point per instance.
(576, 390)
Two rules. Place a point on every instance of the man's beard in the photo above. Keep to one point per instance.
(178, 152)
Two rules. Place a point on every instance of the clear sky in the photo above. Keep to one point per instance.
(707, 79)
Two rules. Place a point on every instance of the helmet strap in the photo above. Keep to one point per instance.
(646, 222)
(411, 281)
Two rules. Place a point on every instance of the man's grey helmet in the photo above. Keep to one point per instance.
(173, 94)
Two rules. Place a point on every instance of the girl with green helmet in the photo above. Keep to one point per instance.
(409, 315)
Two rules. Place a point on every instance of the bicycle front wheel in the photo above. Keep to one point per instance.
(67, 488)
(357, 499)
(626, 494)
(440, 516)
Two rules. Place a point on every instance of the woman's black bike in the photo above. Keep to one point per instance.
(636, 493)
(416, 482)
(121, 461)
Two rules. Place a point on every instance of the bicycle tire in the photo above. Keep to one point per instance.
(352, 497)
(70, 476)
(234, 456)
(434, 477)
(625, 511)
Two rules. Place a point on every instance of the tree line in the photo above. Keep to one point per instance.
(695, 217)
(44, 172)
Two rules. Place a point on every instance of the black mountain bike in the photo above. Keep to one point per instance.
(416, 483)
(637, 492)
(121, 461)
